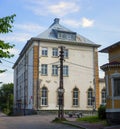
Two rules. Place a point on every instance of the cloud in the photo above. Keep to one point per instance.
(6, 77)
(84, 22)
(61, 8)
(30, 27)
(87, 22)
(16, 37)
(14, 51)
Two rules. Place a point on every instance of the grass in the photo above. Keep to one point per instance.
(91, 119)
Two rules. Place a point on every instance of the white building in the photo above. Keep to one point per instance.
(36, 72)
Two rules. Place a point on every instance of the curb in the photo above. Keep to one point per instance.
(72, 124)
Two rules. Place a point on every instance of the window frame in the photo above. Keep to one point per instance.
(44, 97)
(44, 69)
(44, 51)
(75, 98)
(116, 87)
(66, 53)
(55, 52)
(54, 70)
(65, 70)
(103, 96)
(90, 99)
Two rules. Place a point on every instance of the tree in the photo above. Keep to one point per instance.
(6, 98)
(6, 27)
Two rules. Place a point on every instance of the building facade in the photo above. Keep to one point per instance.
(112, 79)
(36, 72)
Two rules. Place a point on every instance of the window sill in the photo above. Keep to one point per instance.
(54, 75)
(44, 55)
(44, 74)
(90, 106)
(75, 106)
(54, 56)
(65, 75)
(44, 105)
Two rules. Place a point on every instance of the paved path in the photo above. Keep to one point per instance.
(31, 122)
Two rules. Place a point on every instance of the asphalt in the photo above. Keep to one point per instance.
(71, 122)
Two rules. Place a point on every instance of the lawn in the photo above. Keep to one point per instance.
(91, 119)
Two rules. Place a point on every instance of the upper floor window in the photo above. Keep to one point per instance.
(103, 96)
(116, 86)
(67, 36)
(44, 51)
(55, 52)
(75, 96)
(54, 70)
(44, 69)
(65, 53)
(65, 70)
(90, 97)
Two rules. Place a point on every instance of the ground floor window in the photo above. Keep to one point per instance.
(116, 87)
(44, 98)
(103, 96)
(90, 97)
(75, 97)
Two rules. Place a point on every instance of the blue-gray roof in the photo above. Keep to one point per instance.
(50, 33)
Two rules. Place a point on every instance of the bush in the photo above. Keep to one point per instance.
(101, 112)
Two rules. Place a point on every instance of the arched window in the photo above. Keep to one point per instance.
(75, 97)
(90, 97)
(103, 96)
(44, 97)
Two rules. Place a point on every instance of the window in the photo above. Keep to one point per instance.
(44, 69)
(103, 96)
(75, 96)
(54, 70)
(90, 97)
(44, 51)
(65, 70)
(44, 98)
(116, 87)
(66, 53)
(55, 52)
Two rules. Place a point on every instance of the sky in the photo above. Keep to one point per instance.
(97, 20)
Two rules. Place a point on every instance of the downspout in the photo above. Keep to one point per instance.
(94, 79)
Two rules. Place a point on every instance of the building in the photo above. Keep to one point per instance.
(36, 72)
(102, 91)
(112, 79)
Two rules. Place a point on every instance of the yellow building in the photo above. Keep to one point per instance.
(112, 79)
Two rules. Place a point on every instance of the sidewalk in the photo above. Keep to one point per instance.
(2, 114)
(85, 125)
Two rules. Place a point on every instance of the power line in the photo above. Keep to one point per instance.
(79, 65)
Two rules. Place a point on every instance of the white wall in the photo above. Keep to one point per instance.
(79, 76)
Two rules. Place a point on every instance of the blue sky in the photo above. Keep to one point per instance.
(97, 20)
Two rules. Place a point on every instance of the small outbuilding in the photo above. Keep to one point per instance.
(112, 80)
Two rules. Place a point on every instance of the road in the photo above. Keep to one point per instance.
(31, 122)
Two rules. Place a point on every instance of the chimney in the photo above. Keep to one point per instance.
(56, 20)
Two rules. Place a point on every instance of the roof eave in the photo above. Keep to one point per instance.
(106, 50)
(66, 41)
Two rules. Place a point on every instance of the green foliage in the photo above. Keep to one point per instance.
(101, 112)
(5, 23)
(6, 27)
(6, 98)
(90, 119)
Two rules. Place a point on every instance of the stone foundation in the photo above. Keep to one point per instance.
(113, 118)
